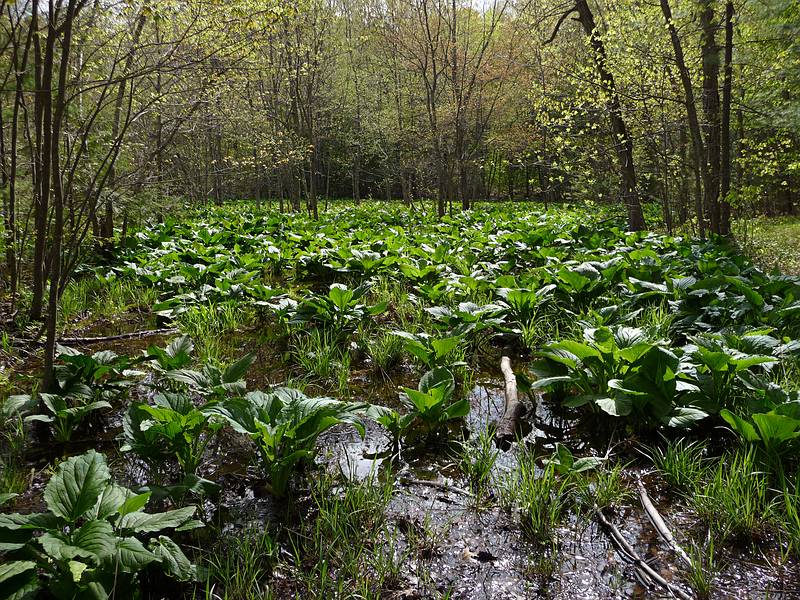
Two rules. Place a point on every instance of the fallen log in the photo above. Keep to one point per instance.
(629, 555)
(507, 427)
(134, 335)
(655, 518)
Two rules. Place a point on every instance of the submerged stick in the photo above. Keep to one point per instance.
(514, 409)
(436, 484)
(629, 554)
(658, 523)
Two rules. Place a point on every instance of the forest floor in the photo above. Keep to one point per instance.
(629, 349)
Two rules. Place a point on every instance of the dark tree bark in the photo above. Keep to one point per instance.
(623, 144)
(691, 108)
(65, 32)
(725, 134)
(711, 108)
(20, 64)
(43, 76)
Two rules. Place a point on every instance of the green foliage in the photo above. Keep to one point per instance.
(541, 496)
(682, 463)
(622, 372)
(170, 427)
(93, 540)
(432, 402)
(85, 384)
(433, 351)
(284, 424)
(340, 311)
(735, 500)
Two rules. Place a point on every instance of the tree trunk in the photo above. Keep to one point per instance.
(43, 117)
(711, 108)
(725, 134)
(48, 378)
(691, 109)
(623, 144)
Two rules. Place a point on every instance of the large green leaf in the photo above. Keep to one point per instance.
(684, 416)
(438, 377)
(618, 406)
(14, 568)
(141, 522)
(96, 537)
(173, 560)
(132, 556)
(77, 485)
(775, 428)
(740, 426)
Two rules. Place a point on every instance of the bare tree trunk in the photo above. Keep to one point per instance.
(107, 231)
(20, 67)
(43, 76)
(48, 378)
(623, 144)
(711, 107)
(725, 134)
(691, 108)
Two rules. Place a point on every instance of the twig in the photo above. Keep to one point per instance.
(436, 484)
(658, 523)
(628, 554)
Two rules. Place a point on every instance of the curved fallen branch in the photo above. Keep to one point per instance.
(134, 335)
(628, 554)
(658, 523)
(436, 484)
(514, 409)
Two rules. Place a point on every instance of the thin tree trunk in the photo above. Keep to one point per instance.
(48, 381)
(43, 76)
(725, 134)
(623, 144)
(711, 108)
(691, 108)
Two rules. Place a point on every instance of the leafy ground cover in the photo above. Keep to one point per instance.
(319, 419)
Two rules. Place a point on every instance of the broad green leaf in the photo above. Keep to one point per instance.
(132, 556)
(141, 522)
(775, 428)
(684, 416)
(134, 503)
(237, 370)
(76, 568)
(458, 409)
(14, 568)
(740, 426)
(76, 485)
(172, 558)
(618, 406)
(582, 351)
(96, 537)
(110, 501)
(438, 377)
